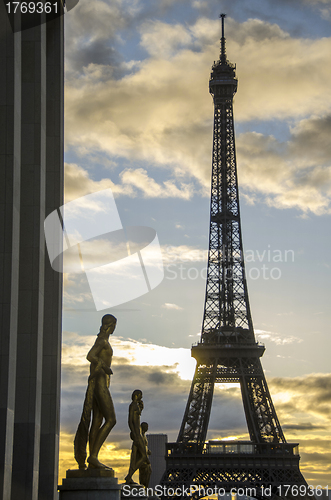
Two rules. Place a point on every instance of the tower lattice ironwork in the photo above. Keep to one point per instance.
(228, 351)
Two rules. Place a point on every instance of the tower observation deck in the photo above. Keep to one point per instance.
(228, 351)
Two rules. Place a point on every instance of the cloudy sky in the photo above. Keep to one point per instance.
(139, 121)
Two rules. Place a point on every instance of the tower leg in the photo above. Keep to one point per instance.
(196, 418)
(262, 422)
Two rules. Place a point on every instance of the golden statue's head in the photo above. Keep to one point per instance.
(108, 322)
(144, 427)
(108, 318)
(137, 394)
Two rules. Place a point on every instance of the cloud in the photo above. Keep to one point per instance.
(255, 30)
(92, 33)
(151, 189)
(143, 117)
(291, 174)
(151, 114)
(163, 40)
(280, 82)
(310, 394)
(178, 360)
(78, 183)
(303, 405)
(183, 253)
(303, 427)
(310, 142)
(263, 335)
(172, 306)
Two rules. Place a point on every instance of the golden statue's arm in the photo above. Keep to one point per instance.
(92, 355)
(96, 360)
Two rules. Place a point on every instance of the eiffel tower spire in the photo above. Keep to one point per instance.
(228, 351)
(223, 54)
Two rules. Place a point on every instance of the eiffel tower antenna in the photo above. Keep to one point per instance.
(228, 351)
(223, 54)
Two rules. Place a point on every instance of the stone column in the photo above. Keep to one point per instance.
(31, 266)
(10, 169)
(50, 409)
(31, 184)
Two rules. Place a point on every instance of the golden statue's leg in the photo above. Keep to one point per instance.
(96, 424)
(106, 409)
(145, 472)
(138, 459)
(141, 453)
(132, 468)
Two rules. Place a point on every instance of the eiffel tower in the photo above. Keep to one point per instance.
(227, 351)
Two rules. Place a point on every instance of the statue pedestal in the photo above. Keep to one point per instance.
(90, 484)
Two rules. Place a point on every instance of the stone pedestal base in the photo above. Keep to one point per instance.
(90, 484)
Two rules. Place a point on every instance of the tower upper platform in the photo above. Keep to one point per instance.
(223, 82)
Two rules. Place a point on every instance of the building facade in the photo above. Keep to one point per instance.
(157, 445)
(31, 183)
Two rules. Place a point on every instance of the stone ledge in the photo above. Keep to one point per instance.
(90, 488)
(86, 473)
(89, 483)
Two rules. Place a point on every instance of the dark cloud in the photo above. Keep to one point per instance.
(146, 374)
(310, 142)
(311, 394)
(96, 52)
(157, 377)
(317, 444)
(91, 35)
(317, 386)
(316, 2)
(74, 377)
(165, 396)
(303, 427)
(227, 417)
(318, 458)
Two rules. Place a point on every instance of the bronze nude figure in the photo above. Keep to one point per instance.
(98, 401)
(139, 451)
(145, 470)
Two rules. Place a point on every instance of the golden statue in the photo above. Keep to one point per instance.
(98, 401)
(145, 470)
(139, 451)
